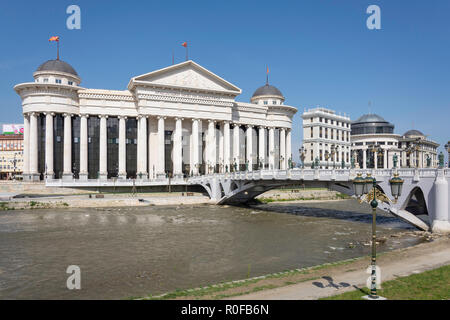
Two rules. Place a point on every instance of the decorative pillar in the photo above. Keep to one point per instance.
(236, 147)
(103, 154)
(49, 145)
(26, 146)
(364, 158)
(385, 159)
(84, 147)
(178, 149)
(195, 163)
(160, 171)
(289, 146)
(271, 148)
(440, 215)
(375, 159)
(221, 142)
(226, 146)
(211, 145)
(122, 147)
(283, 149)
(138, 144)
(34, 175)
(67, 171)
(262, 147)
(250, 147)
(143, 150)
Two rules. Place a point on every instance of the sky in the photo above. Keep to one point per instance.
(319, 52)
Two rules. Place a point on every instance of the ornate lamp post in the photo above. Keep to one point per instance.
(333, 152)
(411, 150)
(14, 163)
(366, 190)
(447, 147)
(327, 156)
(301, 152)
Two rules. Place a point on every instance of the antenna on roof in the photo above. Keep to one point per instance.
(370, 104)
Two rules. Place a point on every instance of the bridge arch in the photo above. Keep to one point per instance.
(416, 203)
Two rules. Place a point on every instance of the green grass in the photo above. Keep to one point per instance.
(429, 285)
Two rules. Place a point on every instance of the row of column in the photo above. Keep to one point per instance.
(143, 151)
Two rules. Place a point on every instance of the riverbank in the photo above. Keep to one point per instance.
(15, 196)
(327, 279)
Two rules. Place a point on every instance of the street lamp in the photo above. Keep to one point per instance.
(366, 190)
(327, 156)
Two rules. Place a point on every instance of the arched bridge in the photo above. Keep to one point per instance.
(425, 191)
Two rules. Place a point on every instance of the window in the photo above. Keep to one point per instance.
(311, 132)
(266, 102)
(274, 101)
(45, 80)
(70, 83)
(58, 81)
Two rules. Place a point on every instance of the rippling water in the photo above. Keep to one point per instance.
(128, 252)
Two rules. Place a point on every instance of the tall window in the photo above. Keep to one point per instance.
(112, 124)
(131, 141)
(93, 147)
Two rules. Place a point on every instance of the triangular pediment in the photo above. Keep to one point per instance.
(187, 75)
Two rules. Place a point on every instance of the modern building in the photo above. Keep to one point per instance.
(375, 145)
(11, 156)
(326, 138)
(179, 120)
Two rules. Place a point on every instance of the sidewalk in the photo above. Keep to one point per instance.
(411, 260)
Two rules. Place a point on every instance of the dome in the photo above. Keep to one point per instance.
(370, 118)
(371, 124)
(414, 133)
(57, 65)
(267, 90)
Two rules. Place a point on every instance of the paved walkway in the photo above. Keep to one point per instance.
(412, 260)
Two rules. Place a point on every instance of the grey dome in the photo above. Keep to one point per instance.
(413, 133)
(371, 124)
(267, 90)
(57, 65)
(370, 118)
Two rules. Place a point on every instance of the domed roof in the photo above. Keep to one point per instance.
(57, 65)
(267, 90)
(411, 133)
(370, 118)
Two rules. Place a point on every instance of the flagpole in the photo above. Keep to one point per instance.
(173, 58)
(187, 52)
(57, 50)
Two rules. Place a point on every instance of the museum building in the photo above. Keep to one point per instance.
(177, 121)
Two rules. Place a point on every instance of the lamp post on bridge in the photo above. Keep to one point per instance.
(366, 190)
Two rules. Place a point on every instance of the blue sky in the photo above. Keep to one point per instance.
(319, 52)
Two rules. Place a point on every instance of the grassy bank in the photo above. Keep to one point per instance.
(429, 285)
(338, 196)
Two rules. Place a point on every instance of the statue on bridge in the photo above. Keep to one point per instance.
(353, 161)
(395, 160)
(316, 163)
(428, 161)
(290, 163)
(226, 168)
(343, 164)
(441, 160)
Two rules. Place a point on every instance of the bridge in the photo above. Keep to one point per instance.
(425, 191)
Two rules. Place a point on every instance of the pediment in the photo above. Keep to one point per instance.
(187, 75)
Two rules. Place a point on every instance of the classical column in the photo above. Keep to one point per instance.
(271, 148)
(49, 145)
(364, 158)
(226, 146)
(138, 145)
(67, 171)
(262, 147)
(289, 146)
(33, 147)
(143, 150)
(26, 145)
(250, 147)
(103, 154)
(178, 149)
(375, 159)
(122, 147)
(385, 159)
(84, 147)
(195, 146)
(236, 146)
(211, 145)
(283, 149)
(160, 171)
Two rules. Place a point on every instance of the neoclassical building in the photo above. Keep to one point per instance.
(179, 120)
(375, 145)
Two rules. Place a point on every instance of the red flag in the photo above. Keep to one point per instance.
(54, 38)
(267, 70)
(184, 44)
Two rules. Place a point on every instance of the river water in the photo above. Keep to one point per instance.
(130, 252)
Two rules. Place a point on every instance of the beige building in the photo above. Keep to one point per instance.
(418, 151)
(326, 138)
(11, 156)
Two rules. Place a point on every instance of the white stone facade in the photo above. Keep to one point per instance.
(187, 122)
(326, 138)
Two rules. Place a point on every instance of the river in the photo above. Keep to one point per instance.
(135, 251)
